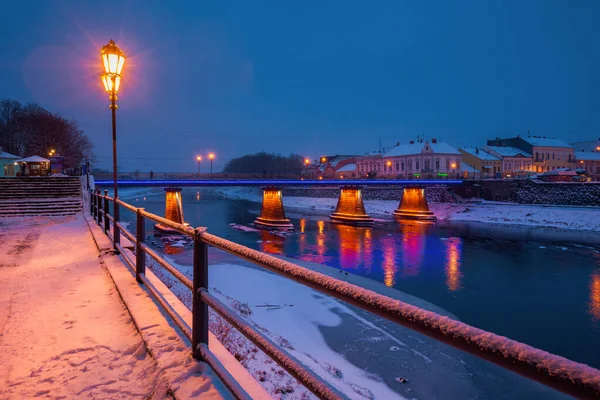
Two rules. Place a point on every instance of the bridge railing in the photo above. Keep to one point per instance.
(572, 378)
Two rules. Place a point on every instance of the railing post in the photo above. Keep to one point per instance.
(91, 198)
(106, 208)
(140, 256)
(199, 308)
(95, 205)
(99, 216)
(116, 218)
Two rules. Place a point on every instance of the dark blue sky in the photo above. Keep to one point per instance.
(311, 77)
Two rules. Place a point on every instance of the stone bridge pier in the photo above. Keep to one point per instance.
(272, 214)
(413, 205)
(173, 206)
(350, 208)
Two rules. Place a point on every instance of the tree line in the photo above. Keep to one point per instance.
(29, 129)
(265, 164)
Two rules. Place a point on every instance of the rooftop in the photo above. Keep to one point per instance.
(547, 142)
(482, 155)
(587, 155)
(418, 147)
(347, 168)
(508, 151)
(33, 159)
(4, 154)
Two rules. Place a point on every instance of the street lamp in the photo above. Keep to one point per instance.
(199, 158)
(113, 60)
(211, 157)
(306, 161)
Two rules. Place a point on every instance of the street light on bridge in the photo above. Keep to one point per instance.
(211, 157)
(199, 158)
(113, 59)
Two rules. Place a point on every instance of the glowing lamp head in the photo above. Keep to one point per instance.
(320, 178)
(306, 161)
(453, 165)
(112, 58)
(211, 156)
(389, 163)
(581, 162)
(199, 158)
(323, 159)
(111, 85)
(598, 148)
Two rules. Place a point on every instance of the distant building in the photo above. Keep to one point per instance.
(590, 145)
(416, 159)
(548, 153)
(589, 161)
(515, 161)
(8, 166)
(487, 164)
(331, 167)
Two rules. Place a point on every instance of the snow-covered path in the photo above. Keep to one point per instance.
(64, 331)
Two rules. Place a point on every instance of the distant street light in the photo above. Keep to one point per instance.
(306, 161)
(113, 60)
(323, 159)
(211, 157)
(199, 158)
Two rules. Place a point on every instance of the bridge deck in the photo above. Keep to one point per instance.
(274, 182)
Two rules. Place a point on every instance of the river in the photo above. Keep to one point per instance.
(543, 294)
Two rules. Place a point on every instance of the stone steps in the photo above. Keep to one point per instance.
(22, 197)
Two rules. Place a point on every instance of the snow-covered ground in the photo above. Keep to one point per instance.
(64, 332)
(564, 217)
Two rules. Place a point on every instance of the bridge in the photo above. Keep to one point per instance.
(272, 182)
(350, 208)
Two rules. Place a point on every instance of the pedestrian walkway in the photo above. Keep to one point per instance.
(64, 331)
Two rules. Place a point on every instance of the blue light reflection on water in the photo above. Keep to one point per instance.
(545, 295)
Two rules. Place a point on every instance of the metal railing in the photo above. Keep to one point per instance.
(572, 378)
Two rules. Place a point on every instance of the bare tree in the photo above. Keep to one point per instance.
(31, 129)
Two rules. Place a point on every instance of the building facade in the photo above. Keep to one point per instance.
(419, 159)
(548, 153)
(488, 165)
(514, 162)
(8, 165)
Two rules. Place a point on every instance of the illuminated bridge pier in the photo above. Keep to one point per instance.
(173, 211)
(350, 208)
(414, 205)
(272, 214)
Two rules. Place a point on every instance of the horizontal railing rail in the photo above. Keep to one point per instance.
(575, 379)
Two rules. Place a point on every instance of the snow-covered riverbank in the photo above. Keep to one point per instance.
(563, 217)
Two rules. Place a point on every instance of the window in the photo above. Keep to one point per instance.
(437, 164)
(402, 166)
(553, 156)
(447, 164)
(410, 165)
(537, 156)
(397, 167)
(427, 166)
(417, 165)
(569, 157)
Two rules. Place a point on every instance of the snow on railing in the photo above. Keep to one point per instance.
(575, 379)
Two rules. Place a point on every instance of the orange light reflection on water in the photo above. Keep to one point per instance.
(452, 264)
(413, 246)
(389, 261)
(272, 244)
(594, 305)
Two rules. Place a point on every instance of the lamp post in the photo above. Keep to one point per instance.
(199, 158)
(113, 60)
(211, 157)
